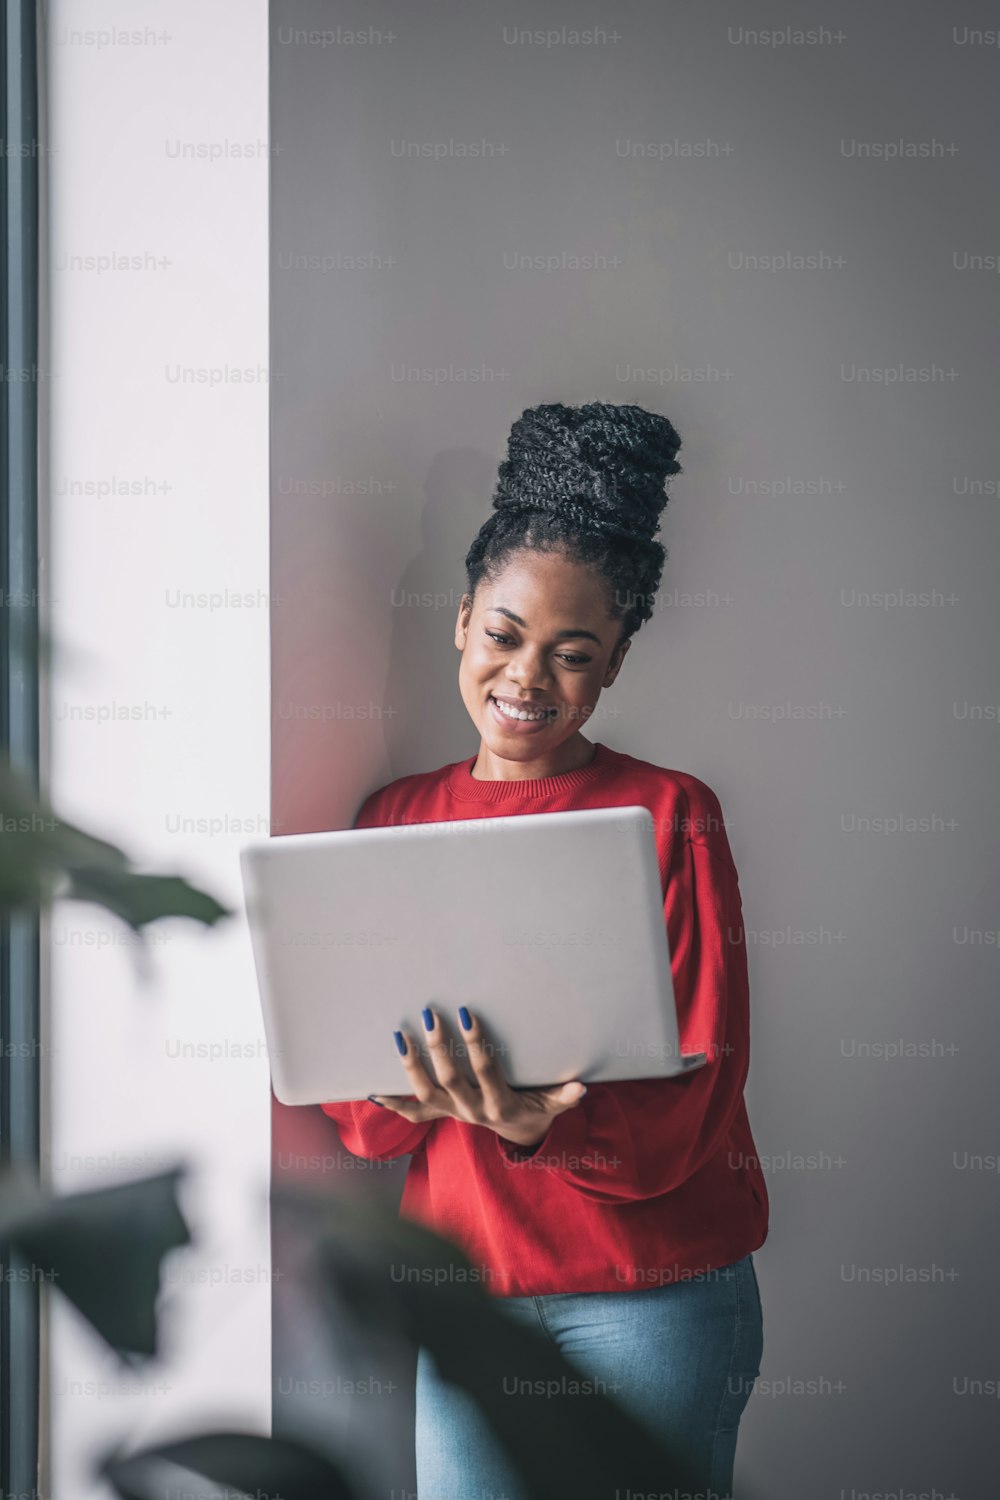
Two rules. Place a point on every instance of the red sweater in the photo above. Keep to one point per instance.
(643, 1182)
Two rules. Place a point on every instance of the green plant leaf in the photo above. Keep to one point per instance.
(239, 1463)
(43, 858)
(102, 1249)
(139, 899)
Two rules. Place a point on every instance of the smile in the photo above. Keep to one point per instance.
(521, 716)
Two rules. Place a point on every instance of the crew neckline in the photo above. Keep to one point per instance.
(468, 788)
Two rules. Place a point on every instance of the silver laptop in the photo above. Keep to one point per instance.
(549, 926)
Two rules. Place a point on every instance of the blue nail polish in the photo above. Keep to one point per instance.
(376, 1101)
(463, 1016)
(428, 1018)
(400, 1043)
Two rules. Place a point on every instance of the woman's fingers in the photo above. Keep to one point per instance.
(410, 1109)
(423, 1085)
(488, 1100)
(448, 1089)
(496, 1092)
(562, 1096)
(518, 1115)
(449, 1075)
(499, 1099)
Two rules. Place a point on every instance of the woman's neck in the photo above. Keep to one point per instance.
(572, 755)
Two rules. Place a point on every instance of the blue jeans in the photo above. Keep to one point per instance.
(683, 1357)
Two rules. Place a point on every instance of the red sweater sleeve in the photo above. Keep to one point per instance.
(639, 1138)
(370, 1130)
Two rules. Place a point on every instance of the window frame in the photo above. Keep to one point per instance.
(20, 1005)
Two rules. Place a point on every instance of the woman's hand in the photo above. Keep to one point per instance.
(522, 1116)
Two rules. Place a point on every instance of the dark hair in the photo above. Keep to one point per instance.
(587, 480)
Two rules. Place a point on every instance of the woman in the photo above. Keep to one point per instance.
(617, 1219)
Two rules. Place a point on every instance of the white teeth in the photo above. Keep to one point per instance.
(513, 713)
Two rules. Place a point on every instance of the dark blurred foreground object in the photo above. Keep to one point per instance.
(585, 1446)
(102, 1249)
(234, 1464)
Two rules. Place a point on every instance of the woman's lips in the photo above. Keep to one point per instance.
(518, 726)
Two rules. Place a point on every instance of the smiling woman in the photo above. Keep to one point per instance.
(560, 577)
(618, 1219)
(528, 682)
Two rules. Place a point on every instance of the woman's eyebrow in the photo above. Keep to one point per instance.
(561, 634)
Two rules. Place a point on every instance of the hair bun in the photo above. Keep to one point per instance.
(606, 463)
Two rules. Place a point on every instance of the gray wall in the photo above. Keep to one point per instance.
(775, 668)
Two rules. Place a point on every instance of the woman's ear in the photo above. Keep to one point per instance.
(462, 622)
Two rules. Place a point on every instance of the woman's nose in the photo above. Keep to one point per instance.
(529, 670)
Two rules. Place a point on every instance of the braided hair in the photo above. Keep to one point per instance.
(588, 481)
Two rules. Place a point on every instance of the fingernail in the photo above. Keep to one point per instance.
(376, 1101)
(428, 1018)
(400, 1043)
(463, 1016)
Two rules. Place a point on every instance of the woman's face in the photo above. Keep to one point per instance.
(556, 656)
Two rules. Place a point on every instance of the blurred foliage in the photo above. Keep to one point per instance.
(43, 858)
(561, 1433)
(233, 1462)
(102, 1249)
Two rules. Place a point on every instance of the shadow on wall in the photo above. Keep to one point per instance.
(426, 723)
(423, 725)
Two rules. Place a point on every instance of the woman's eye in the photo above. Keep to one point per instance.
(573, 661)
